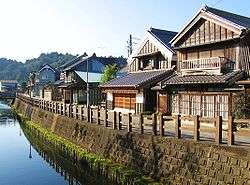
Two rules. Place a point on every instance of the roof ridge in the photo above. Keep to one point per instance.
(224, 11)
(152, 28)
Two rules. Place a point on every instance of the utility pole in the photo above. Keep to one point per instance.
(87, 83)
(130, 44)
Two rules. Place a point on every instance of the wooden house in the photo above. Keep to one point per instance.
(151, 62)
(37, 81)
(73, 79)
(213, 54)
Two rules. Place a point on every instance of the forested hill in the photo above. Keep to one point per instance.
(11, 69)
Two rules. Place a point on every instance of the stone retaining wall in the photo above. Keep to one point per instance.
(173, 161)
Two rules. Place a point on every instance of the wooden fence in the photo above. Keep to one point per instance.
(231, 131)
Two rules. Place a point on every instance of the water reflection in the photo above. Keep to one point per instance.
(25, 160)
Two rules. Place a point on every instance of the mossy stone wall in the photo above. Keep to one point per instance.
(172, 161)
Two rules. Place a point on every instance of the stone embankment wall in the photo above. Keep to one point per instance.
(173, 161)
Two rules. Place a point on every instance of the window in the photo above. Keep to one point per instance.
(208, 105)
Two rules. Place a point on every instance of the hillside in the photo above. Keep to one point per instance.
(12, 69)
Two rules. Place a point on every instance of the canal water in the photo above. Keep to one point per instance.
(26, 161)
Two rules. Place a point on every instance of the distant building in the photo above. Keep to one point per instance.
(8, 85)
(37, 81)
(73, 78)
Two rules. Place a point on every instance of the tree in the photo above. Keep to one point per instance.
(109, 73)
(23, 86)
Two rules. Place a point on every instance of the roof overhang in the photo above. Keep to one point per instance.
(203, 81)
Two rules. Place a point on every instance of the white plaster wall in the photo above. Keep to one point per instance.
(110, 96)
(139, 98)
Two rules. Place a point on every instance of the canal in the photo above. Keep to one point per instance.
(25, 160)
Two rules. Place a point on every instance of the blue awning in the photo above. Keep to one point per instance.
(93, 77)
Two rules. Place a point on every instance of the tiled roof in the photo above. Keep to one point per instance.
(163, 36)
(236, 19)
(75, 59)
(119, 61)
(202, 79)
(138, 79)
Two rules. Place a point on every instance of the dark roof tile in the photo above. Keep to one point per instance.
(138, 79)
(202, 79)
(236, 19)
(163, 36)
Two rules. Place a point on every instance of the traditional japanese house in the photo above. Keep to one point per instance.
(151, 62)
(213, 54)
(74, 78)
(37, 81)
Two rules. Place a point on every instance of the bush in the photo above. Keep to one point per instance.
(241, 106)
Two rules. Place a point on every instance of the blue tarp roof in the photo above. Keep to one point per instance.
(93, 77)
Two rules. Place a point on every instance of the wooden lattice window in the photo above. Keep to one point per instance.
(208, 105)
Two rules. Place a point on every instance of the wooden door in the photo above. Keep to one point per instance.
(163, 103)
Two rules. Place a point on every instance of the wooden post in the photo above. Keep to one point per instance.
(218, 135)
(114, 120)
(196, 128)
(119, 120)
(90, 115)
(54, 107)
(64, 109)
(129, 123)
(177, 126)
(105, 118)
(77, 111)
(141, 123)
(81, 113)
(154, 122)
(230, 132)
(98, 116)
(161, 121)
(69, 110)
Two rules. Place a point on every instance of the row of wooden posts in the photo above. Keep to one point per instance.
(153, 124)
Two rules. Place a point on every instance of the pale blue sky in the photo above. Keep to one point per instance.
(29, 27)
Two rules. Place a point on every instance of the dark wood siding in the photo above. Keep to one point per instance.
(163, 103)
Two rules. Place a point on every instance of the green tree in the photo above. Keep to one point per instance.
(23, 86)
(109, 73)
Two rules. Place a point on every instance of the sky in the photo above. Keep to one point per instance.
(31, 27)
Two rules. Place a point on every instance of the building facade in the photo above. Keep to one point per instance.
(83, 69)
(213, 54)
(47, 75)
(151, 62)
